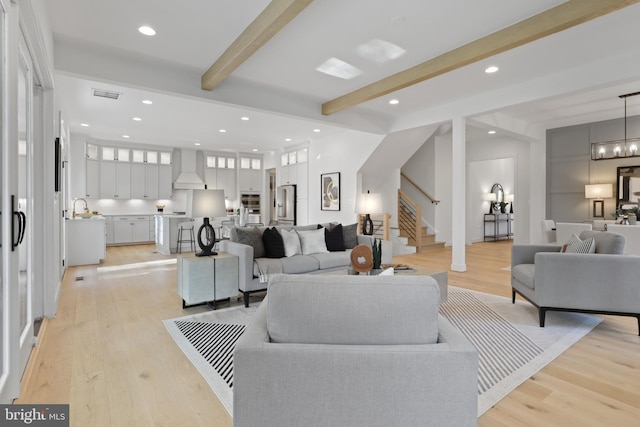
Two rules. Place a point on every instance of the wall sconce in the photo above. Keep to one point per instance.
(598, 192)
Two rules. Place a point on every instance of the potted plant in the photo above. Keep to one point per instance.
(376, 248)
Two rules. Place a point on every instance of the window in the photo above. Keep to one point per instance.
(165, 158)
(92, 151)
(211, 161)
(152, 157)
(137, 156)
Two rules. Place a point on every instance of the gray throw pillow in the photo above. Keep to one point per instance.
(251, 236)
(350, 236)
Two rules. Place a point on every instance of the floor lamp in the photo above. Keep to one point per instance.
(207, 204)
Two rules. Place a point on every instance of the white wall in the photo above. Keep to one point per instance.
(345, 154)
(420, 168)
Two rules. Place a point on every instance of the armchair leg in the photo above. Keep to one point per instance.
(513, 296)
(639, 325)
(541, 314)
(246, 298)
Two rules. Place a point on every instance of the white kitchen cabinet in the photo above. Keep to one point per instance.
(92, 181)
(115, 180)
(164, 182)
(109, 231)
(250, 180)
(144, 181)
(85, 241)
(131, 229)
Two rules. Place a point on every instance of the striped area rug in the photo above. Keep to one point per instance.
(510, 344)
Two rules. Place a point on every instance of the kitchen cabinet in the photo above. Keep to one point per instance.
(250, 180)
(296, 174)
(164, 182)
(221, 179)
(144, 181)
(92, 181)
(85, 241)
(131, 229)
(115, 180)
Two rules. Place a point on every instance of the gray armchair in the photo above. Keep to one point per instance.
(605, 282)
(353, 351)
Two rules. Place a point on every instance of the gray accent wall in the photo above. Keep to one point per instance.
(569, 167)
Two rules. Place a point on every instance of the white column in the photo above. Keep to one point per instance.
(458, 197)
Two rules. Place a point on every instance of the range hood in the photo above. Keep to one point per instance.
(187, 178)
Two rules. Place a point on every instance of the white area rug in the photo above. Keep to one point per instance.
(511, 345)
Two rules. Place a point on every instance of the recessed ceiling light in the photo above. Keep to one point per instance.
(287, 139)
(222, 130)
(245, 118)
(380, 51)
(148, 102)
(147, 31)
(491, 69)
(338, 68)
(491, 132)
(316, 130)
(125, 136)
(255, 149)
(394, 102)
(137, 119)
(196, 143)
(84, 125)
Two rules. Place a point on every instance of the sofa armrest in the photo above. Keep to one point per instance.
(588, 281)
(309, 384)
(245, 260)
(525, 254)
(387, 247)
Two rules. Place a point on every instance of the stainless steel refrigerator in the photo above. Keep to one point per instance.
(286, 203)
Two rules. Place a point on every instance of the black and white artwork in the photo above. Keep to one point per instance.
(330, 194)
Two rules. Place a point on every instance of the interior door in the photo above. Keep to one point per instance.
(23, 214)
(7, 382)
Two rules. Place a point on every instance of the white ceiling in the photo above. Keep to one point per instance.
(568, 78)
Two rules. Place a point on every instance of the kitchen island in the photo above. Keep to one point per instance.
(167, 231)
(86, 240)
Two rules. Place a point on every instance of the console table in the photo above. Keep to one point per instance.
(205, 280)
(498, 226)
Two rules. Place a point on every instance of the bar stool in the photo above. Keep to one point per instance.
(189, 238)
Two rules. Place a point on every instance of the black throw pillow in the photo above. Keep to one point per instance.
(273, 243)
(333, 238)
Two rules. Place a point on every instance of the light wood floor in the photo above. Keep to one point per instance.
(107, 352)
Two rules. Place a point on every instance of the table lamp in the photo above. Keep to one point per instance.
(207, 204)
(598, 192)
(369, 203)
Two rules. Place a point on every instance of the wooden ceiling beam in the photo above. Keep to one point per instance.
(551, 21)
(272, 19)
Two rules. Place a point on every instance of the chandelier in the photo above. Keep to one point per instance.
(627, 147)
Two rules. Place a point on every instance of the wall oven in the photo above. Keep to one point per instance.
(251, 202)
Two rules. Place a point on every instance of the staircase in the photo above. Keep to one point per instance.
(410, 223)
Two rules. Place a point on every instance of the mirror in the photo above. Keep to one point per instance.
(499, 193)
(628, 187)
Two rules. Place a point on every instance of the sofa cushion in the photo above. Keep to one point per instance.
(334, 239)
(350, 236)
(312, 242)
(333, 259)
(273, 243)
(299, 264)
(291, 242)
(525, 274)
(356, 310)
(251, 236)
(606, 242)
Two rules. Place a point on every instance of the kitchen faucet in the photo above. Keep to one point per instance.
(86, 208)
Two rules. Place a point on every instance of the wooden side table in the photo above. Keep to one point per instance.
(205, 280)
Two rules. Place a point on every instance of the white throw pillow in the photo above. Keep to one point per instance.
(291, 242)
(576, 246)
(312, 242)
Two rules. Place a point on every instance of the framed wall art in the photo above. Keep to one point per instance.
(330, 191)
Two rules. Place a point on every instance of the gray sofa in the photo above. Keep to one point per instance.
(604, 282)
(359, 351)
(250, 278)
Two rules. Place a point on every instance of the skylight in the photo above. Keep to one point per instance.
(380, 51)
(338, 68)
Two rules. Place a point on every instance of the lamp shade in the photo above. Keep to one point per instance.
(208, 203)
(491, 197)
(598, 191)
(509, 198)
(369, 203)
